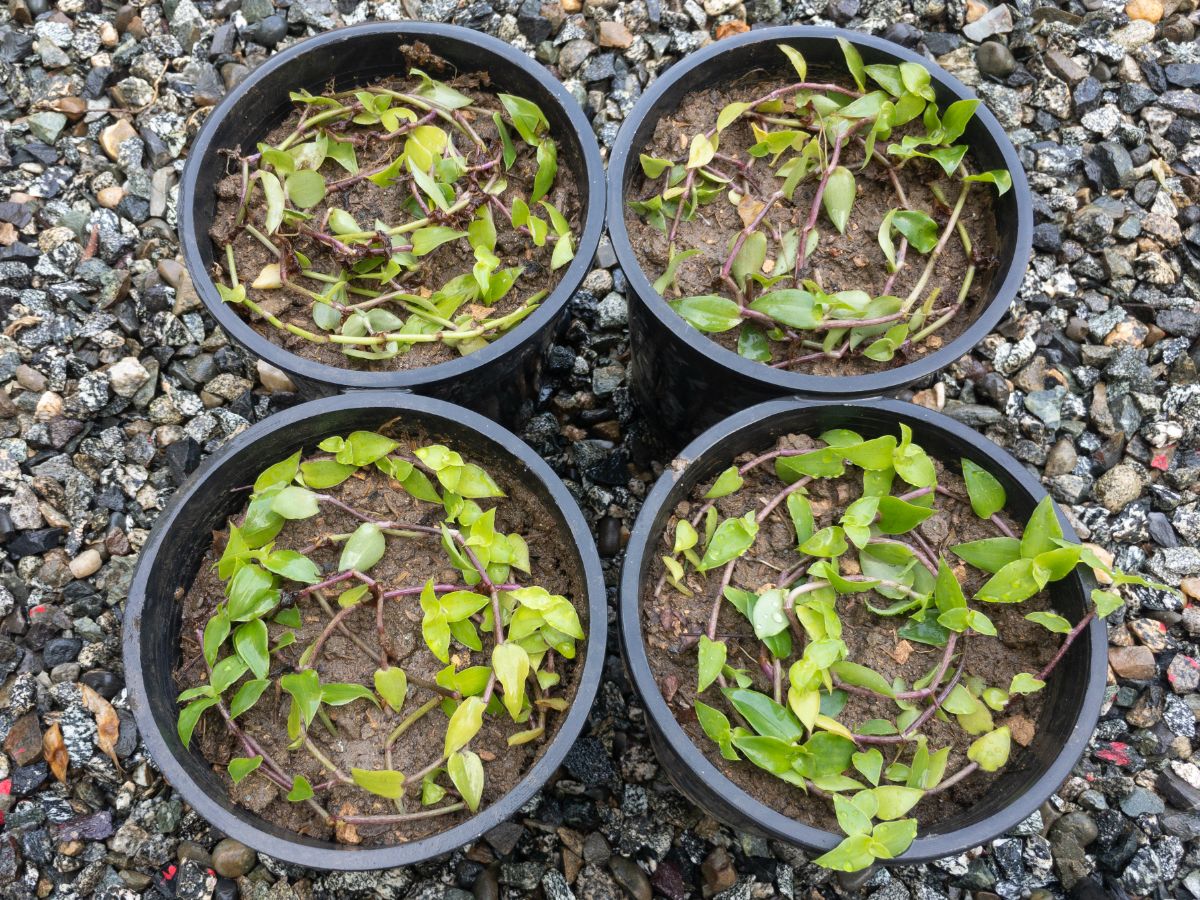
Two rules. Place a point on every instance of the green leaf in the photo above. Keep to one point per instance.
(764, 715)
(884, 239)
(426, 240)
(873, 455)
(768, 753)
(732, 538)
(986, 493)
(797, 60)
(685, 536)
(955, 119)
(998, 177)
(752, 344)
(851, 855)
(790, 306)
(292, 565)
(750, 258)
(668, 276)
(216, 630)
(727, 482)
(510, 662)
(800, 511)
(547, 160)
(918, 227)
(301, 790)
(854, 63)
(849, 817)
(273, 193)
(914, 466)
(526, 117)
(240, 767)
(306, 188)
(1106, 602)
(709, 313)
(712, 656)
(989, 554)
(895, 800)
(716, 726)
(1050, 621)
(250, 640)
(190, 715)
(869, 763)
(1012, 584)
(363, 549)
(384, 782)
(991, 751)
(464, 724)
(226, 672)
(897, 516)
(768, 618)
(860, 676)
(280, 473)
(340, 693)
(1054, 565)
(1024, 683)
(895, 837)
(295, 502)
(509, 151)
(247, 695)
(392, 685)
(828, 542)
(652, 166)
(947, 592)
(305, 689)
(701, 152)
(1043, 530)
(363, 447)
(466, 771)
(838, 198)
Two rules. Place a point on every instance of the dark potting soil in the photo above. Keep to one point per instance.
(367, 202)
(850, 261)
(671, 623)
(361, 726)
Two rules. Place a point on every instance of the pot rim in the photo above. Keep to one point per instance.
(336, 42)
(802, 384)
(237, 822)
(925, 847)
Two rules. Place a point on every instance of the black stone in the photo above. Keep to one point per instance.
(31, 543)
(183, 457)
(1185, 75)
(61, 650)
(532, 23)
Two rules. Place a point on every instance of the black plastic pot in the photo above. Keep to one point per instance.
(684, 380)
(500, 380)
(182, 536)
(1072, 696)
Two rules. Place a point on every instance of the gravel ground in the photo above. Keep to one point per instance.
(115, 386)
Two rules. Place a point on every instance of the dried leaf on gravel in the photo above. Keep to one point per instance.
(108, 725)
(55, 751)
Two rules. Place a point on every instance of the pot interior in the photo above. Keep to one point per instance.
(177, 551)
(1071, 697)
(351, 60)
(824, 55)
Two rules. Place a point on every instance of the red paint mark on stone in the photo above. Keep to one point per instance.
(6, 786)
(38, 610)
(1115, 753)
(1160, 462)
(169, 872)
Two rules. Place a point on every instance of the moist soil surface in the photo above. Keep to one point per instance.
(850, 261)
(672, 621)
(367, 202)
(362, 727)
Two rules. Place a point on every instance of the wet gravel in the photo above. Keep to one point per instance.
(114, 385)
